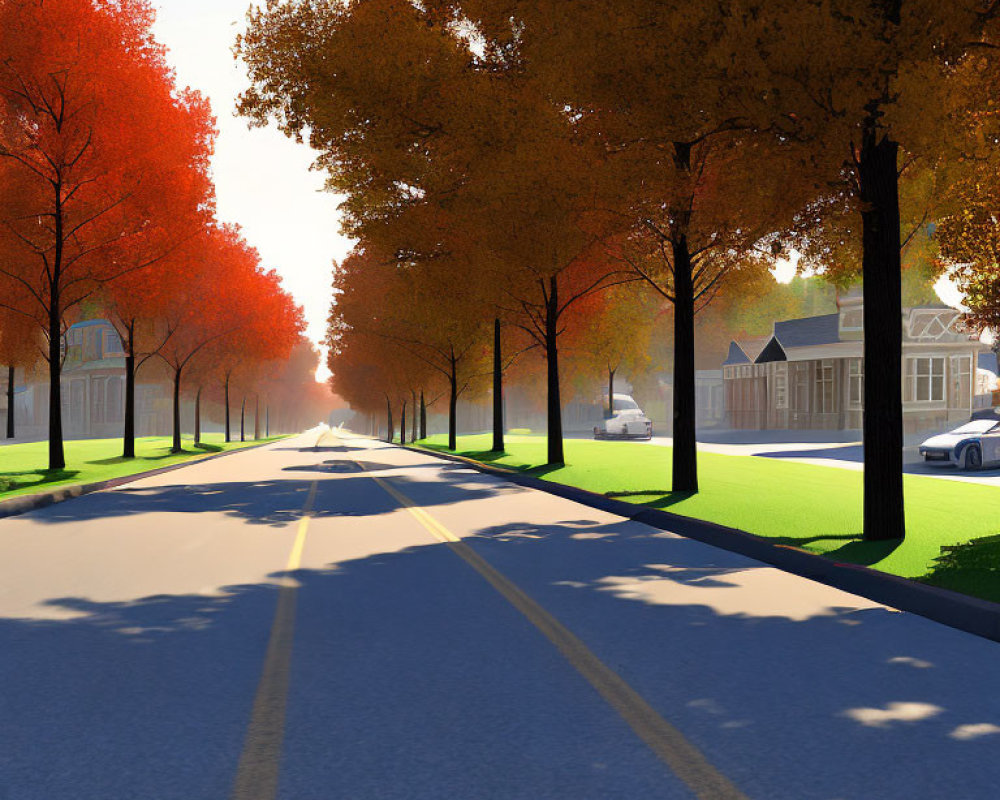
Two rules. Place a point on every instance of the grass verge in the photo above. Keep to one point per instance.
(23, 466)
(951, 526)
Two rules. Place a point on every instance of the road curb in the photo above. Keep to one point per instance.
(31, 502)
(969, 614)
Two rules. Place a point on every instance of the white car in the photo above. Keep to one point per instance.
(969, 446)
(627, 421)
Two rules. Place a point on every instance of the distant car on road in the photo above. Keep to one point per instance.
(969, 446)
(626, 422)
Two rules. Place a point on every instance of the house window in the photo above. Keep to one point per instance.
(781, 387)
(824, 387)
(960, 372)
(113, 409)
(925, 380)
(745, 372)
(727, 373)
(856, 379)
(800, 384)
(852, 319)
(112, 342)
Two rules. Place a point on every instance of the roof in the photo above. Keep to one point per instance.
(773, 351)
(736, 355)
(89, 323)
(988, 360)
(809, 331)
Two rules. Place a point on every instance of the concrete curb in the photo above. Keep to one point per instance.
(969, 614)
(31, 502)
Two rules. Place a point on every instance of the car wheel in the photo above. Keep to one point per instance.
(973, 457)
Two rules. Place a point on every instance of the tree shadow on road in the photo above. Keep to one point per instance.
(400, 651)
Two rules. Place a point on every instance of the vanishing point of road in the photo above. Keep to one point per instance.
(336, 618)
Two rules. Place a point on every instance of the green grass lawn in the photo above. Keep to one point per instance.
(23, 466)
(812, 507)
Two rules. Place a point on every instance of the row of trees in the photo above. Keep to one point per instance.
(107, 209)
(505, 161)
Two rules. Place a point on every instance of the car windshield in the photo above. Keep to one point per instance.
(977, 426)
(625, 404)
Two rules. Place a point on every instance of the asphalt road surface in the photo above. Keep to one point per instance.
(353, 620)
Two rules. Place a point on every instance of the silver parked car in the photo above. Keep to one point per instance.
(627, 421)
(969, 446)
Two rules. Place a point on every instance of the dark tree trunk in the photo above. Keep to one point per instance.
(883, 400)
(176, 446)
(413, 413)
(423, 416)
(10, 402)
(256, 418)
(555, 432)
(388, 421)
(197, 418)
(228, 439)
(453, 405)
(685, 456)
(498, 442)
(243, 420)
(267, 422)
(402, 425)
(57, 458)
(685, 453)
(611, 392)
(128, 436)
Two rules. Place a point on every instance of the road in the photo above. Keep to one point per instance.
(355, 620)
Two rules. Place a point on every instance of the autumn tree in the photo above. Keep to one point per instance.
(406, 136)
(613, 334)
(401, 304)
(884, 92)
(81, 84)
(176, 203)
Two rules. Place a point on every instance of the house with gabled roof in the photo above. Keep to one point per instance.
(809, 374)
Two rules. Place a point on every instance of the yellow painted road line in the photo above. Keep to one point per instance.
(257, 772)
(684, 759)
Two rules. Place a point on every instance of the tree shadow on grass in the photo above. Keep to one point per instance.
(661, 498)
(971, 568)
(15, 481)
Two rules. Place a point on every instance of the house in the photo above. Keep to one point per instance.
(809, 374)
(93, 390)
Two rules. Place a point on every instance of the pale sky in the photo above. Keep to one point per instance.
(262, 178)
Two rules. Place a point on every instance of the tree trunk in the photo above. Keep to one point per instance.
(498, 442)
(413, 413)
(555, 432)
(388, 413)
(228, 439)
(10, 402)
(611, 392)
(128, 436)
(453, 405)
(176, 446)
(267, 422)
(256, 417)
(402, 425)
(243, 420)
(685, 454)
(197, 418)
(883, 399)
(423, 416)
(57, 458)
